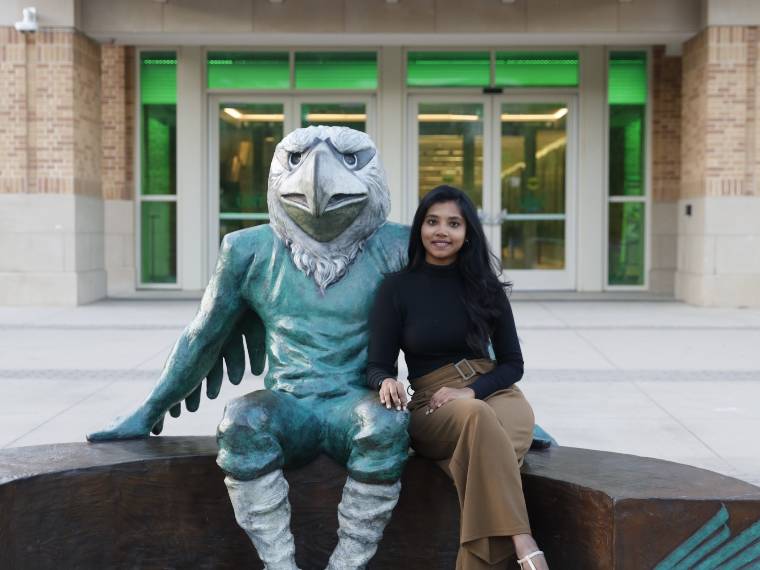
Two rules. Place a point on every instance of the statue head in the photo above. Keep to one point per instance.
(327, 194)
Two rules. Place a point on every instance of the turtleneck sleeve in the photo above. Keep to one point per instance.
(509, 360)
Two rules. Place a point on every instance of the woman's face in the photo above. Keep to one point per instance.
(443, 233)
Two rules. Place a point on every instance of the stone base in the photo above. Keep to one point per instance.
(52, 249)
(162, 503)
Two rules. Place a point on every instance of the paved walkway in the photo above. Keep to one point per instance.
(658, 379)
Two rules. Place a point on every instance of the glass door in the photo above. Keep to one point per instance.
(533, 194)
(514, 157)
(449, 142)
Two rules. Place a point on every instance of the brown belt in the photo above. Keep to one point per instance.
(458, 375)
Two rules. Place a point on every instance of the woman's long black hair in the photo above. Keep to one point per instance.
(480, 269)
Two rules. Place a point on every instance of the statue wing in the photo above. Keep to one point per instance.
(248, 330)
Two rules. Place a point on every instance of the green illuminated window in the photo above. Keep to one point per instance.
(158, 239)
(248, 70)
(536, 69)
(336, 70)
(448, 69)
(158, 153)
(626, 243)
(627, 100)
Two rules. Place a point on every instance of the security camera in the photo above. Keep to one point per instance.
(28, 21)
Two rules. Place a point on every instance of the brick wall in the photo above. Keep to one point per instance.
(50, 115)
(666, 126)
(13, 112)
(117, 111)
(721, 126)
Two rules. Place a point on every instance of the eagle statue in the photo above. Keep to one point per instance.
(298, 292)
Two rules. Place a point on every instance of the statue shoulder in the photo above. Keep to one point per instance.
(392, 231)
(393, 241)
(242, 245)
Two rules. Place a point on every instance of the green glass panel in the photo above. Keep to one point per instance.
(158, 77)
(533, 244)
(626, 243)
(352, 115)
(536, 69)
(336, 70)
(158, 242)
(448, 69)
(626, 156)
(158, 149)
(248, 70)
(451, 147)
(248, 135)
(627, 78)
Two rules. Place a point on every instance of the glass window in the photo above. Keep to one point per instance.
(248, 70)
(158, 167)
(448, 69)
(536, 69)
(336, 70)
(627, 99)
(626, 243)
(451, 147)
(352, 115)
(248, 134)
(533, 163)
(158, 242)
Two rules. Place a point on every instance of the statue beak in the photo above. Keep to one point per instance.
(328, 195)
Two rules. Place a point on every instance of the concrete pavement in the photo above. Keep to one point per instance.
(658, 379)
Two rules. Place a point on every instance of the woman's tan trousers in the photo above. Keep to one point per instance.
(481, 445)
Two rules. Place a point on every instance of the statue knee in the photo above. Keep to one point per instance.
(248, 446)
(379, 446)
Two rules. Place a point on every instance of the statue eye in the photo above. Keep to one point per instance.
(294, 158)
(350, 159)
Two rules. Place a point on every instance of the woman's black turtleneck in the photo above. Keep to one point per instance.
(421, 312)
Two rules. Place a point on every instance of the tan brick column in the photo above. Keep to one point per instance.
(719, 242)
(51, 208)
(666, 168)
(117, 111)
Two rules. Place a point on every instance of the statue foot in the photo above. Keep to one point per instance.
(363, 513)
(133, 426)
(262, 510)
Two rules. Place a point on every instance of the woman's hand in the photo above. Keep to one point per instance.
(445, 395)
(392, 393)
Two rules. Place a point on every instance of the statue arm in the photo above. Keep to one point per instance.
(196, 351)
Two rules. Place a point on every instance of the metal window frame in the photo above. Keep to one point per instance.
(139, 284)
(646, 198)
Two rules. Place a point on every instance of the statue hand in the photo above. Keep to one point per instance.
(135, 425)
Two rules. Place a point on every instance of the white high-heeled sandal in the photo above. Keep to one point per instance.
(528, 558)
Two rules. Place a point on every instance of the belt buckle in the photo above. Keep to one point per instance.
(462, 374)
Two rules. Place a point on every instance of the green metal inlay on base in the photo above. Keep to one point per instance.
(712, 547)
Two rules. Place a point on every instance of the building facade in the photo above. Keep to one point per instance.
(610, 145)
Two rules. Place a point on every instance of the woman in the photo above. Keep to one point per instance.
(442, 310)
